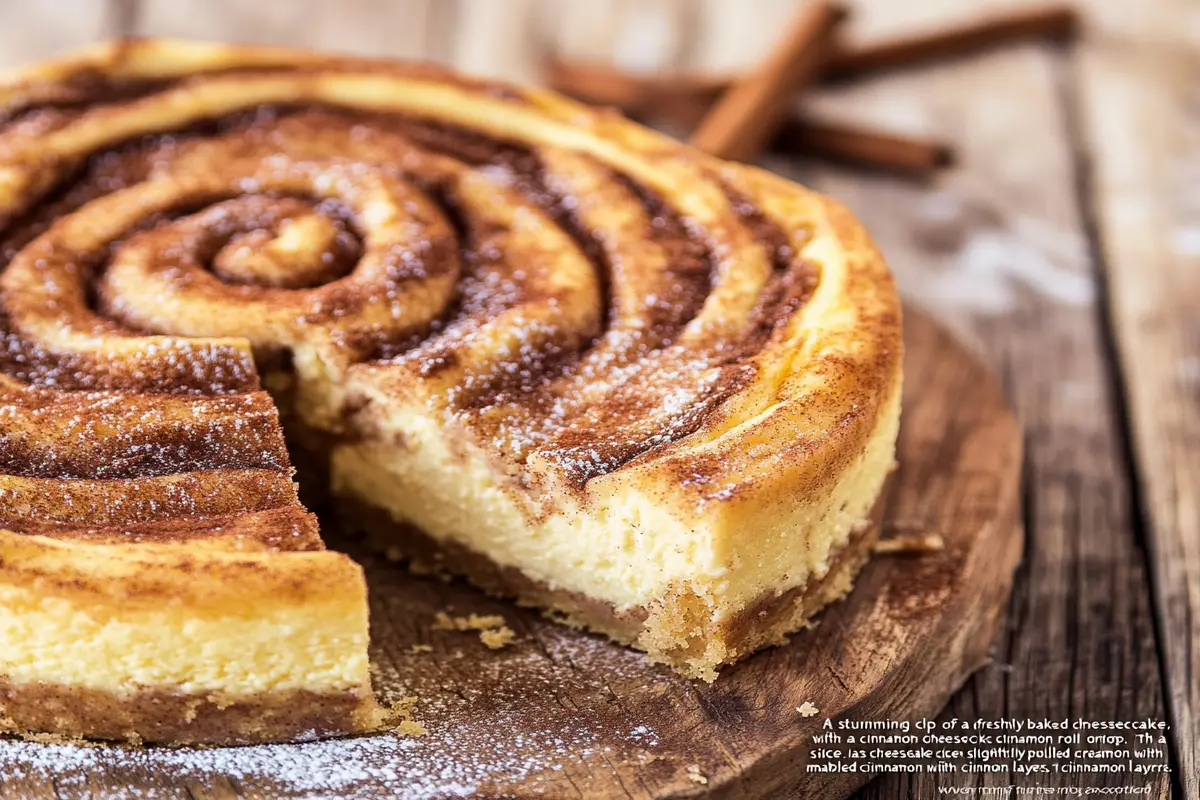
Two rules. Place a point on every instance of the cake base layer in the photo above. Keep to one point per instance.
(164, 716)
(653, 629)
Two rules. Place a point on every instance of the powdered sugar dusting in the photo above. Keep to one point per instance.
(344, 767)
(453, 761)
(543, 710)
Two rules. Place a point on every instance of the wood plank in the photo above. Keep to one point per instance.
(1141, 111)
(262, 23)
(510, 39)
(639, 35)
(399, 29)
(33, 31)
(998, 249)
(499, 39)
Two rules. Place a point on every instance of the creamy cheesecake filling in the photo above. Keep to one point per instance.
(619, 546)
(192, 650)
(239, 624)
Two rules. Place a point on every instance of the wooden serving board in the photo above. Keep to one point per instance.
(560, 713)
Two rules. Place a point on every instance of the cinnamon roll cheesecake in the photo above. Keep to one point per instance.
(535, 344)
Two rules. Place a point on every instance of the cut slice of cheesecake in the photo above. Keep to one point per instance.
(182, 644)
(580, 363)
(160, 582)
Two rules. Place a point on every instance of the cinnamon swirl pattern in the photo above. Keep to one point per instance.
(652, 389)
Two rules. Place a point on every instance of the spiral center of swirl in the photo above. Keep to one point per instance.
(281, 243)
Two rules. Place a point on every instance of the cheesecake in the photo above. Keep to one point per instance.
(504, 335)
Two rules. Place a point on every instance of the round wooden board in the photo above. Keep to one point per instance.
(559, 713)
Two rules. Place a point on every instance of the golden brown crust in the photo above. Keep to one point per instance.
(154, 715)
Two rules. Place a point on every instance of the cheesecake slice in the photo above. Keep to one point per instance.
(159, 580)
(508, 336)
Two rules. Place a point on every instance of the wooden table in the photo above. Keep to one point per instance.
(1065, 249)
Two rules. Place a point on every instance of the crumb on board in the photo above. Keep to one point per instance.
(472, 622)
(695, 776)
(48, 738)
(914, 544)
(429, 569)
(493, 631)
(807, 709)
(420, 648)
(496, 638)
(410, 727)
(399, 717)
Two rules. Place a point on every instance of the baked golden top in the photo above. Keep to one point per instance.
(584, 295)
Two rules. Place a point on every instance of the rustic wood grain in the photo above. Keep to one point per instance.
(498, 36)
(561, 713)
(410, 29)
(1141, 112)
(1000, 249)
(31, 31)
(747, 115)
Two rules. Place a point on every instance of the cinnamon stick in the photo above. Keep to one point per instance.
(683, 100)
(751, 112)
(864, 147)
(1057, 21)
(605, 85)
(635, 94)
(846, 60)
